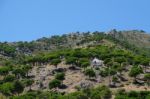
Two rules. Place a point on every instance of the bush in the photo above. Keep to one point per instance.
(103, 73)
(60, 76)
(9, 78)
(101, 92)
(55, 62)
(18, 87)
(90, 72)
(54, 83)
(135, 70)
(7, 88)
(114, 79)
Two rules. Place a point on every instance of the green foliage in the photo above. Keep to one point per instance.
(19, 72)
(60, 76)
(145, 61)
(135, 70)
(133, 95)
(107, 61)
(79, 53)
(18, 87)
(38, 95)
(101, 92)
(75, 95)
(71, 60)
(112, 71)
(52, 50)
(148, 96)
(104, 73)
(54, 83)
(26, 68)
(4, 70)
(120, 59)
(55, 62)
(9, 50)
(28, 82)
(84, 62)
(114, 79)
(7, 88)
(147, 78)
(9, 78)
(90, 72)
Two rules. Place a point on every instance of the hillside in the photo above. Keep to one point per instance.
(127, 39)
(95, 65)
(135, 37)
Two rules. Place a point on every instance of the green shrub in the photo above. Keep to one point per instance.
(54, 83)
(60, 76)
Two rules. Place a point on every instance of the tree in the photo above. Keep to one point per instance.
(18, 87)
(85, 64)
(114, 79)
(71, 60)
(18, 72)
(109, 62)
(145, 62)
(7, 88)
(9, 78)
(135, 70)
(60, 76)
(137, 60)
(7, 49)
(120, 60)
(103, 73)
(147, 78)
(101, 92)
(4, 70)
(55, 62)
(54, 83)
(90, 72)
(75, 95)
(26, 69)
(29, 83)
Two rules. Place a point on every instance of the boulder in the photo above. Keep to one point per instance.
(63, 86)
(74, 68)
(112, 85)
(147, 70)
(141, 82)
(140, 77)
(58, 70)
(86, 84)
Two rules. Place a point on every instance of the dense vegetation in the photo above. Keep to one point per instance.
(132, 95)
(76, 50)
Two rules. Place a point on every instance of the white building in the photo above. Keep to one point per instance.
(96, 62)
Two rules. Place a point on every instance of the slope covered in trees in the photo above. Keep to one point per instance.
(60, 67)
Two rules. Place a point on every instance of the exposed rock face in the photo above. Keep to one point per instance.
(114, 85)
(147, 70)
(86, 84)
(121, 77)
(140, 79)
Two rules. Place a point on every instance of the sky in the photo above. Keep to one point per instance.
(26, 20)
